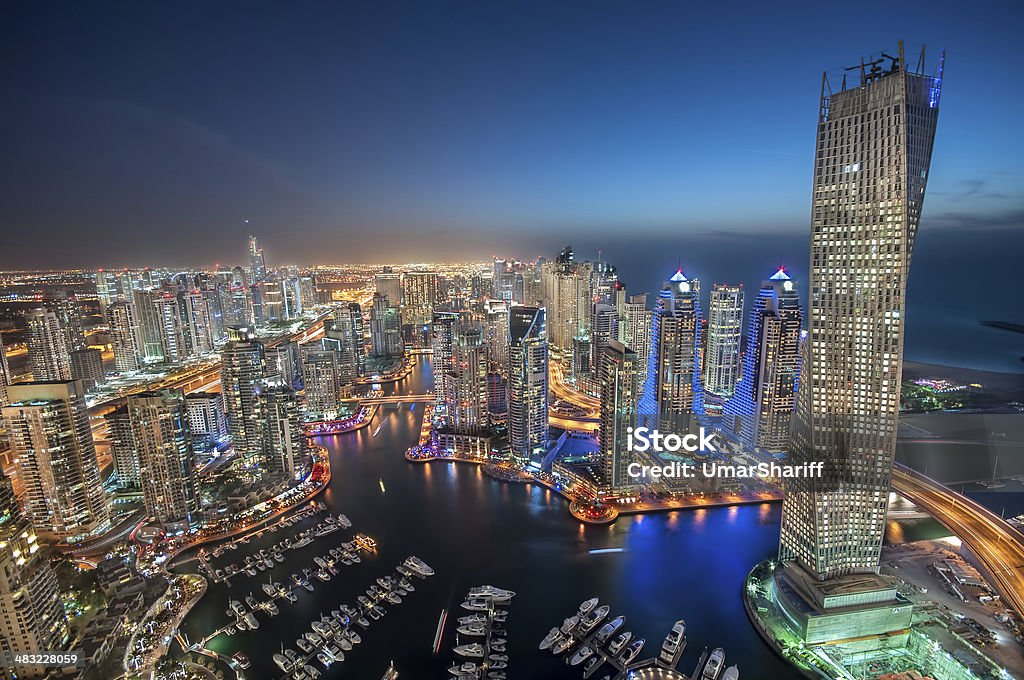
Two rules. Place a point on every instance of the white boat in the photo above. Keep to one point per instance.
(631, 652)
(496, 594)
(335, 652)
(569, 624)
(587, 606)
(476, 604)
(301, 543)
(467, 669)
(320, 562)
(713, 667)
(324, 659)
(473, 650)
(283, 663)
(304, 645)
(581, 655)
(251, 621)
(670, 647)
(593, 618)
(731, 673)
(250, 602)
(418, 566)
(473, 629)
(553, 636)
(562, 645)
(237, 608)
(311, 672)
(269, 589)
(620, 642)
(609, 629)
(472, 618)
(589, 667)
(345, 523)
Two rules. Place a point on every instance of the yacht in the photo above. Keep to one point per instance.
(631, 652)
(374, 614)
(713, 667)
(363, 622)
(404, 570)
(569, 624)
(472, 629)
(251, 621)
(615, 647)
(561, 645)
(278, 557)
(581, 655)
(313, 638)
(283, 663)
(467, 669)
(670, 647)
(418, 566)
(473, 650)
(476, 604)
(307, 585)
(311, 672)
(473, 618)
(301, 543)
(250, 601)
(250, 571)
(324, 659)
(394, 598)
(496, 594)
(405, 583)
(320, 562)
(290, 596)
(325, 530)
(344, 521)
(344, 643)
(272, 608)
(731, 673)
(292, 655)
(353, 636)
(587, 606)
(269, 589)
(609, 629)
(302, 644)
(589, 667)
(323, 575)
(593, 618)
(237, 608)
(365, 542)
(321, 629)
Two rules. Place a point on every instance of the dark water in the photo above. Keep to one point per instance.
(476, 530)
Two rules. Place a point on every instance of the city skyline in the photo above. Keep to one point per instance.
(154, 121)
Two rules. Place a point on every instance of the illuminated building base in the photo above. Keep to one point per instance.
(861, 611)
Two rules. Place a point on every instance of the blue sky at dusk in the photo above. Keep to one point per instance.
(396, 131)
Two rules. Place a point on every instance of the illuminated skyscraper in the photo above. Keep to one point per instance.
(163, 448)
(172, 336)
(419, 293)
(619, 393)
(345, 336)
(385, 328)
(389, 284)
(5, 374)
(48, 424)
(257, 265)
(496, 331)
(243, 366)
(725, 324)
(151, 343)
(285, 448)
(672, 393)
(760, 411)
(527, 382)
(124, 335)
(635, 330)
(465, 384)
(321, 381)
(603, 329)
(87, 366)
(31, 611)
(874, 146)
(48, 351)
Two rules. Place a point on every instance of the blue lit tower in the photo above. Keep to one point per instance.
(760, 410)
(672, 391)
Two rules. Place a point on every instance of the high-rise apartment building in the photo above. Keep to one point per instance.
(125, 335)
(161, 439)
(321, 380)
(465, 382)
(619, 393)
(385, 328)
(671, 396)
(87, 366)
(759, 412)
(635, 330)
(243, 367)
(285, 447)
(207, 421)
(725, 326)
(527, 382)
(49, 354)
(31, 611)
(172, 336)
(257, 264)
(873, 151)
(48, 425)
(151, 344)
(389, 284)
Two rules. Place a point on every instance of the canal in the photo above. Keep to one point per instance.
(475, 530)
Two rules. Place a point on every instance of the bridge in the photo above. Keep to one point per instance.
(400, 399)
(997, 545)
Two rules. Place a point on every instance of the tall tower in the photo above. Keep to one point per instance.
(243, 366)
(389, 284)
(5, 375)
(124, 334)
(465, 386)
(672, 392)
(385, 328)
(172, 336)
(285, 448)
(725, 323)
(635, 330)
(31, 613)
(874, 147)
(48, 351)
(48, 423)
(760, 411)
(257, 265)
(321, 381)
(160, 436)
(619, 391)
(527, 382)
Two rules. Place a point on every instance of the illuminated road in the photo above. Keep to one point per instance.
(391, 400)
(561, 390)
(998, 547)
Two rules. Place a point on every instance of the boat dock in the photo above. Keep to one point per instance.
(595, 640)
(484, 627)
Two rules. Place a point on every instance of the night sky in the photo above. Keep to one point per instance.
(146, 133)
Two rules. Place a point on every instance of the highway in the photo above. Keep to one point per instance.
(997, 545)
